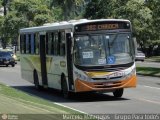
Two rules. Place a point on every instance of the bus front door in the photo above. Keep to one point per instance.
(43, 61)
(69, 60)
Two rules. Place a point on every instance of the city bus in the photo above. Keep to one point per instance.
(79, 56)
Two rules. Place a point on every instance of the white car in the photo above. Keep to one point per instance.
(140, 56)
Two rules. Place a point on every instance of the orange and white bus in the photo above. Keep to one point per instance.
(80, 56)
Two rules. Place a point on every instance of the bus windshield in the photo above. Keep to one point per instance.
(103, 49)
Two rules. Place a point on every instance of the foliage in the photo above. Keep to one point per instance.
(144, 16)
(23, 13)
(148, 71)
(32, 11)
(69, 8)
(99, 9)
(28, 13)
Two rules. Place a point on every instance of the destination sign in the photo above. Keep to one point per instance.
(102, 26)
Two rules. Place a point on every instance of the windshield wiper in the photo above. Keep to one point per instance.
(115, 38)
(110, 45)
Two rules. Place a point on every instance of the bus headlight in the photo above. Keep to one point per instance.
(133, 72)
(82, 76)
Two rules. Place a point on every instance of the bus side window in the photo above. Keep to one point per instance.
(52, 43)
(23, 43)
(47, 40)
(62, 43)
(37, 43)
(56, 44)
(27, 43)
(49, 43)
(32, 44)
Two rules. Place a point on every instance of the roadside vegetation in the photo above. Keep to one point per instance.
(14, 101)
(153, 59)
(148, 71)
(19, 105)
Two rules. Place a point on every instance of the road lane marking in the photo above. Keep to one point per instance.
(150, 87)
(142, 99)
(69, 107)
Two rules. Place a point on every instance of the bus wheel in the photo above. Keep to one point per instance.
(64, 87)
(13, 65)
(118, 93)
(36, 81)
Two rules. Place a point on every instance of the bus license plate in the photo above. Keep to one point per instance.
(107, 84)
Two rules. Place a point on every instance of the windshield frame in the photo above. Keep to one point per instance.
(129, 33)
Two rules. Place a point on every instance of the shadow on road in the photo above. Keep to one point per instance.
(56, 96)
(158, 83)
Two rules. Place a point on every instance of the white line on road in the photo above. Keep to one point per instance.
(146, 100)
(150, 87)
(69, 107)
(142, 99)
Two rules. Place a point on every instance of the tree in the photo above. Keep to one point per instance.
(141, 19)
(4, 39)
(24, 13)
(68, 7)
(154, 5)
(97, 9)
(140, 15)
(35, 12)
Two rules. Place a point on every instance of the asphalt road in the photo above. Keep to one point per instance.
(145, 98)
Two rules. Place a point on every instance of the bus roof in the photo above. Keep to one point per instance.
(66, 25)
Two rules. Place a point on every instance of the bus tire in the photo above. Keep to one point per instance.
(118, 93)
(36, 80)
(13, 65)
(64, 87)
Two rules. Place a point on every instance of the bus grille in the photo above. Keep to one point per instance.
(107, 85)
(107, 78)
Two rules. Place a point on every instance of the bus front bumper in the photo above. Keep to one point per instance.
(84, 86)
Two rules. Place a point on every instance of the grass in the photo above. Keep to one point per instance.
(148, 71)
(27, 98)
(153, 59)
(13, 101)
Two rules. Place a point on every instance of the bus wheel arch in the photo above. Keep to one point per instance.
(64, 86)
(118, 92)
